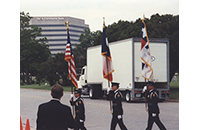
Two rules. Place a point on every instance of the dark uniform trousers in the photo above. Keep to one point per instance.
(152, 99)
(80, 114)
(117, 110)
(155, 119)
(79, 125)
(116, 121)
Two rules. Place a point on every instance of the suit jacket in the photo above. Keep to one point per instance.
(152, 100)
(117, 103)
(79, 108)
(54, 116)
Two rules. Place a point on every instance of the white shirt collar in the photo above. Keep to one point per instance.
(150, 90)
(55, 99)
(116, 90)
(75, 98)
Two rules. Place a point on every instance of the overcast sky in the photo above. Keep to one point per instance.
(93, 11)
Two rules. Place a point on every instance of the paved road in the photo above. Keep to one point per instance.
(98, 116)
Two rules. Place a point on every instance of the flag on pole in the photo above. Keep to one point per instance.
(147, 70)
(107, 60)
(69, 57)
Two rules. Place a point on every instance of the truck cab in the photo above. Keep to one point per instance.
(83, 77)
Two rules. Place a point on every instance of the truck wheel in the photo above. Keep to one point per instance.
(92, 93)
(128, 96)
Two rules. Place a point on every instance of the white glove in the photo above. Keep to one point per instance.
(81, 120)
(144, 89)
(108, 90)
(153, 114)
(71, 96)
(119, 116)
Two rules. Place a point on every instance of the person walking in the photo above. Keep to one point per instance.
(117, 115)
(79, 110)
(153, 109)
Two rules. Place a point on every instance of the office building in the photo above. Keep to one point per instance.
(54, 29)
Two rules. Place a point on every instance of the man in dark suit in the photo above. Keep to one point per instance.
(117, 108)
(153, 109)
(53, 115)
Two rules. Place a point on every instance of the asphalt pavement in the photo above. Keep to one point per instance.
(98, 116)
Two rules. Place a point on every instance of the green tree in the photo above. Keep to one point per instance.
(62, 68)
(87, 39)
(54, 69)
(48, 70)
(33, 51)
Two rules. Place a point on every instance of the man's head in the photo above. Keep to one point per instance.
(115, 86)
(150, 85)
(77, 92)
(57, 91)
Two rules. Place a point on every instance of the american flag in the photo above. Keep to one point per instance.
(69, 57)
(107, 60)
(147, 70)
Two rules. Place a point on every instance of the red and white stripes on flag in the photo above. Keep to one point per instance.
(69, 57)
(147, 70)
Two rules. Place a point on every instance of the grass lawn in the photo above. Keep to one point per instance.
(43, 87)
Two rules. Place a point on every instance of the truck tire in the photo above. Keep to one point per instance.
(95, 91)
(128, 96)
(92, 93)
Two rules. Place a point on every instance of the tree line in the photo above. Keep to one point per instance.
(35, 58)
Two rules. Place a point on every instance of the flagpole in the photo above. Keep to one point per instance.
(70, 74)
(72, 92)
(108, 73)
(109, 84)
(146, 97)
(145, 78)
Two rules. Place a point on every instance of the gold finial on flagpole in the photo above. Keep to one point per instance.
(67, 23)
(103, 22)
(143, 17)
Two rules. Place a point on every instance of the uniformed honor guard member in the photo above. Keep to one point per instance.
(153, 109)
(79, 110)
(117, 108)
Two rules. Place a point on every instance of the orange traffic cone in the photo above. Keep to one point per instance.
(27, 125)
(21, 127)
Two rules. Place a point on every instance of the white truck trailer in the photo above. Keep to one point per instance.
(127, 69)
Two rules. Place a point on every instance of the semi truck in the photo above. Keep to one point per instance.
(127, 67)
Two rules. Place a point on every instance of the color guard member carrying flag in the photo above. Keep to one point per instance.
(151, 96)
(117, 108)
(153, 109)
(79, 109)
